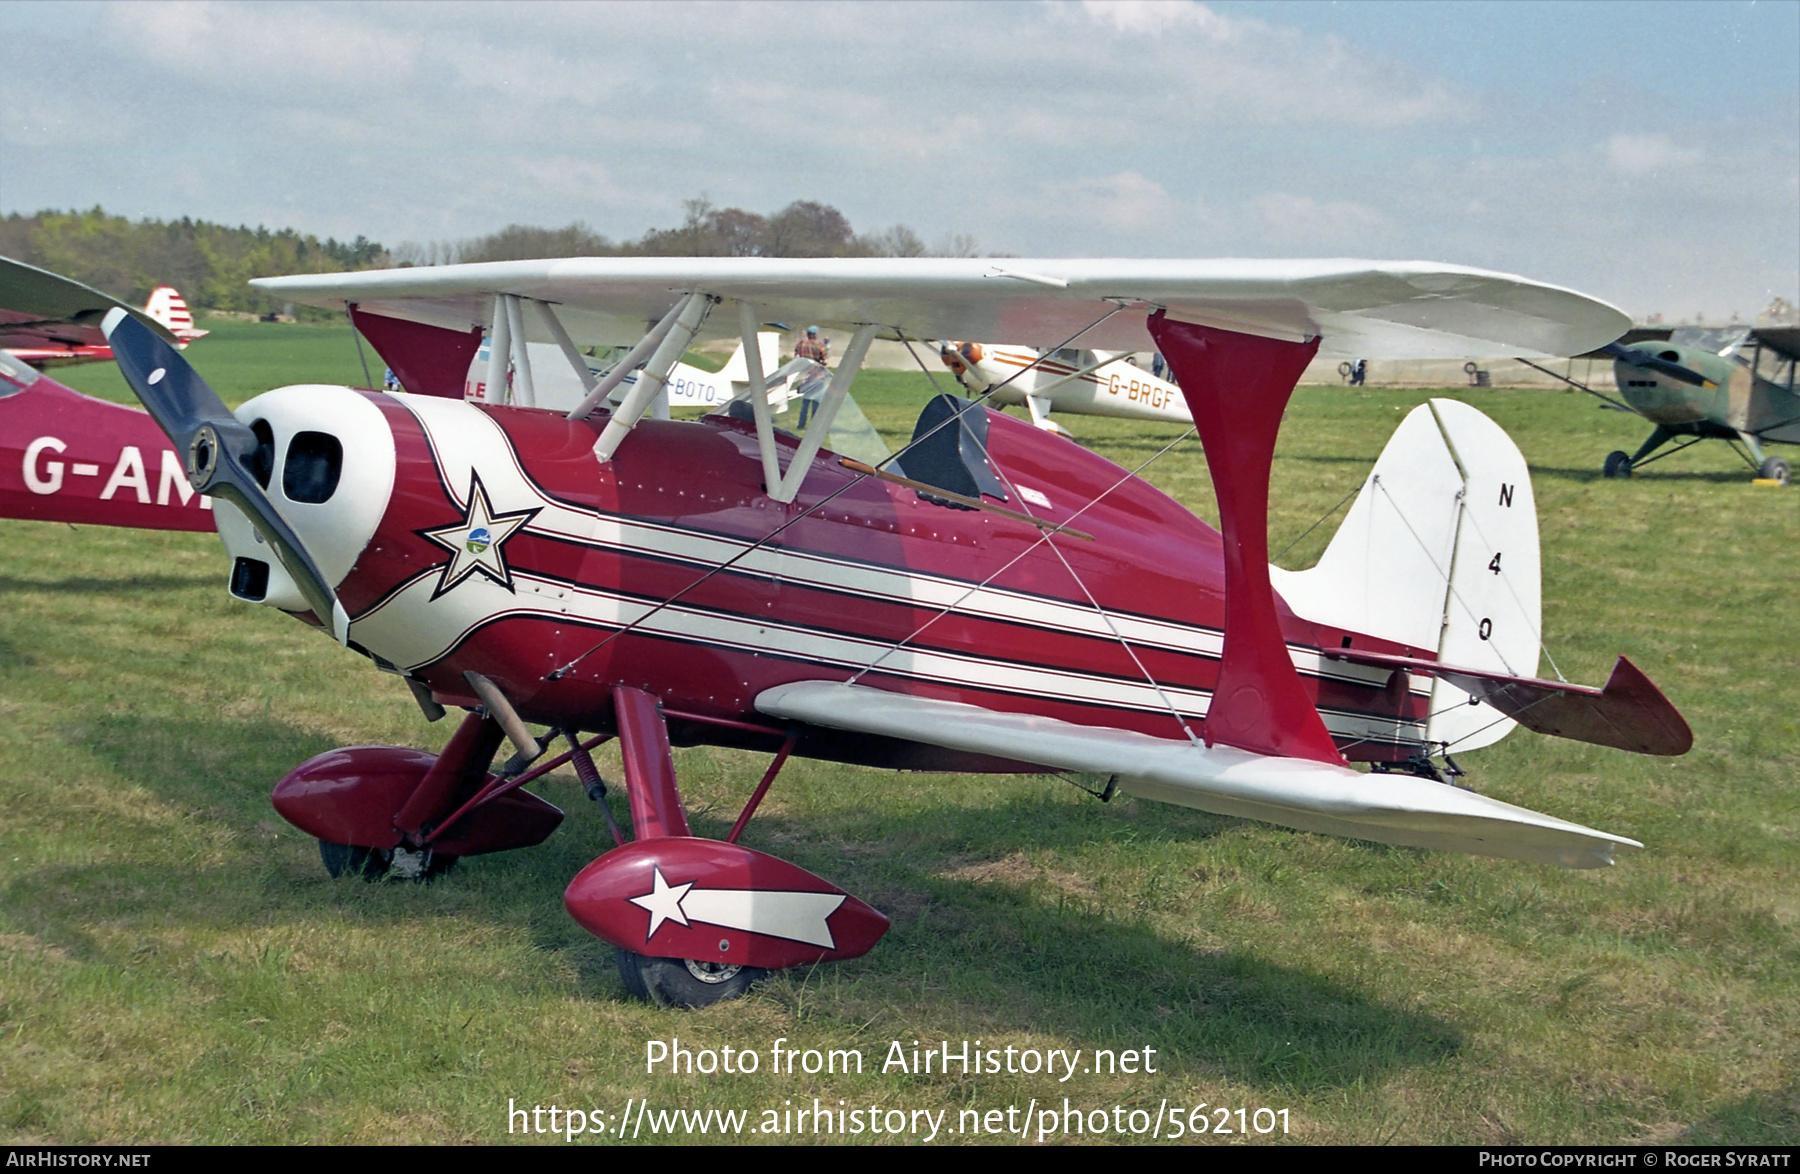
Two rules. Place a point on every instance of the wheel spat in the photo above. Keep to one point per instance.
(215, 448)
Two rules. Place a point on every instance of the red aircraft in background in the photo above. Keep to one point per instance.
(48, 339)
(68, 457)
(991, 598)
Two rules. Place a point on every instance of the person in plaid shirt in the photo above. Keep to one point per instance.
(812, 388)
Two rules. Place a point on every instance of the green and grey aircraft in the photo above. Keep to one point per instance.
(1742, 393)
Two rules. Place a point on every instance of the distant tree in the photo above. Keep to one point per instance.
(519, 242)
(959, 244)
(740, 233)
(808, 229)
(898, 241)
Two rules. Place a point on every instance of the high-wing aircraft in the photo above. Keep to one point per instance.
(1072, 379)
(1743, 394)
(993, 599)
(68, 457)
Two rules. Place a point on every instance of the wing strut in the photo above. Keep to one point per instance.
(644, 392)
(567, 345)
(616, 375)
(759, 396)
(1237, 386)
(816, 432)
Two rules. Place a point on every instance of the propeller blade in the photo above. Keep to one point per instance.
(216, 445)
(1638, 358)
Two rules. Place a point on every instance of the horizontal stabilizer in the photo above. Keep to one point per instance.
(1298, 793)
(1630, 713)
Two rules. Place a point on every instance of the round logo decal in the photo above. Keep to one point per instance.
(478, 540)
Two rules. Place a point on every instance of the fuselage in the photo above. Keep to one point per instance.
(1063, 380)
(1733, 400)
(68, 457)
(496, 542)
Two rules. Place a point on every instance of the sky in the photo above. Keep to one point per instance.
(1648, 154)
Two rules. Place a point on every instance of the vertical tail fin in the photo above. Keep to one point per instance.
(768, 344)
(1439, 552)
(1493, 616)
(170, 309)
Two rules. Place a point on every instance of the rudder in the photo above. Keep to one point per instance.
(1439, 552)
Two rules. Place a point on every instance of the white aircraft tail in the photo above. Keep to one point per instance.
(171, 309)
(735, 370)
(1440, 552)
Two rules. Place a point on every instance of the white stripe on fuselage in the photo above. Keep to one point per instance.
(464, 438)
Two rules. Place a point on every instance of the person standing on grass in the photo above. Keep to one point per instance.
(812, 385)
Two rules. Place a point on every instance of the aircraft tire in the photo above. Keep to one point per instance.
(373, 864)
(674, 982)
(1774, 469)
(630, 974)
(1618, 464)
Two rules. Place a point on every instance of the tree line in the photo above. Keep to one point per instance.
(212, 264)
(803, 228)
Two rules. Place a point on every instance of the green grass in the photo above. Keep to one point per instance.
(176, 966)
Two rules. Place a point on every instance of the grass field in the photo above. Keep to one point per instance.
(176, 966)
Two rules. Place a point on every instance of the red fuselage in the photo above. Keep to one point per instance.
(646, 571)
(67, 457)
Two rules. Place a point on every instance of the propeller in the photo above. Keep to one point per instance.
(217, 448)
(1637, 358)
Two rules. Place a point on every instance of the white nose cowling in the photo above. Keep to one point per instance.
(326, 459)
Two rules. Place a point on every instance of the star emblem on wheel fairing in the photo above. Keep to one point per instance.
(663, 902)
(476, 544)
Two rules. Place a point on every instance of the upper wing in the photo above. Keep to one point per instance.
(1784, 340)
(1636, 334)
(42, 309)
(1365, 309)
(1293, 792)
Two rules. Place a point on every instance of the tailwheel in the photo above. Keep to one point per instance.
(681, 982)
(1773, 469)
(1618, 464)
(373, 864)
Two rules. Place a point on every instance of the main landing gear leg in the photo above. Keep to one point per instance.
(1768, 468)
(698, 921)
(1620, 465)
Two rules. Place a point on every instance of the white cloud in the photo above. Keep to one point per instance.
(1647, 154)
(1294, 221)
(1210, 66)
(1124, 202)
(1157, 16)
(267, 46)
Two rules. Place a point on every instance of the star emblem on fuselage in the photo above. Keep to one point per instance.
(475, 544)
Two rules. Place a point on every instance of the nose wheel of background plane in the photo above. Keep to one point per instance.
(1618, 464)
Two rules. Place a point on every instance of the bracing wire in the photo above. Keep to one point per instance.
(561, 670)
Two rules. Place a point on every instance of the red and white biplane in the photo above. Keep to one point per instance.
(992, 598)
